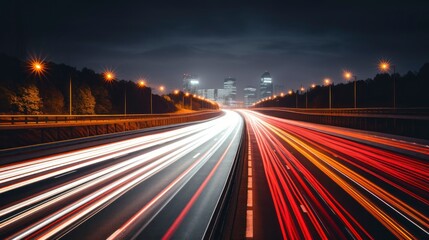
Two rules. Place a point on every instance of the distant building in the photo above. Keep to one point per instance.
(222, 96)
(210, 94)
(266, 85)
(249, 96)
(230, 86)
(190, 83)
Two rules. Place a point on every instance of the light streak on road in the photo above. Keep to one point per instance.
(307, 164)
(87, 181)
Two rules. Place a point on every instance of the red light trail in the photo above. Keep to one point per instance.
(310, 168)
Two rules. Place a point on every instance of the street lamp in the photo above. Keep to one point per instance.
(306, 99)
(328, 82)
(37, 66)
(312, 86)
(348, 75)
(141, 84)
(176, 92)
(109, 76)
(190, 97)
(384, 66)
(290, 92)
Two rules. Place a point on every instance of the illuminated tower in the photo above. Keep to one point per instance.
(230, 86)
(190, 83)
(266, 85)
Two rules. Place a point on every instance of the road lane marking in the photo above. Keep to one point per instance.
(249, 224)
(249, 198)
(196, 155)
(249, 213)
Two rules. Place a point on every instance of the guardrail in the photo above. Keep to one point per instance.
(356, 111)
(413, 122)
(45, 119)
(45, 129)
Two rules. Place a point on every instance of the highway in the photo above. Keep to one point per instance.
(165, 184)
(311, 181)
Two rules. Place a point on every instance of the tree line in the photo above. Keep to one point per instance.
(22, 92)
(411, 91)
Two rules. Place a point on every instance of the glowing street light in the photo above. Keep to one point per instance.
(190, 98)
(282, 94)
(37, 66)
(161, 88)
(348, 75)
(306, 92)
(290, 92)
(328, 82)
(176, 92)
(384, 66)
(109, 76)
(141, 83)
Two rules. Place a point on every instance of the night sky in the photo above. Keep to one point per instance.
(298, 43)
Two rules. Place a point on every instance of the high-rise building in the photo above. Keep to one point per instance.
(230, 86)
(210, 94)
(190, 83)
(266, 85)
(249, 96)
(222, 96)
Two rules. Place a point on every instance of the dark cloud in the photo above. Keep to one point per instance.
(298, 42)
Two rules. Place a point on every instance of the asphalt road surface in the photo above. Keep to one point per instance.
(310, 181)
(161, 185)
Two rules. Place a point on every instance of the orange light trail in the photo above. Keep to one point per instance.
(360, 170)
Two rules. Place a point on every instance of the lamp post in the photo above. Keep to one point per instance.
(290, 92)
(328, 82)
(348, 75)
(142, 84)
(313, 85)
(109, 76)
(38, 67)
(384, 66)
(177, 92)
(302, 90)
(190, 98)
